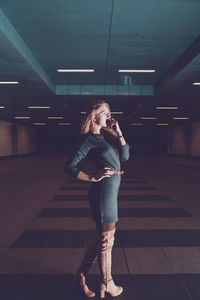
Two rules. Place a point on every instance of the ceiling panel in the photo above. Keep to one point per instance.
(105, 35)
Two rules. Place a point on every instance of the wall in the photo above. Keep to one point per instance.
(178, 141)
(25, 140)
(5, 138)
(185, 140)
(195, 140)
(16, 139)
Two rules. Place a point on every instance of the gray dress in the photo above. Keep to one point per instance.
(103, 194)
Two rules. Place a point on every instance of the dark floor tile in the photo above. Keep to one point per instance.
(120, 197)
(64, 212)
(59, 238)
(158, 287)
(153, 212)
(70, 198)
(136, 287)
(34, 238)
(144, 198)
(71, 238)
(160, 238)
(180, 164)
(125, 238)
(72, 188)
(192, 283)
(125, 178)
(77, 182)
(128, 291)
(123, 212)
(133, 182)
(40, 287)
(56, 238)
(123, 188)
(51, 287)
(130, 176)
(137, 188)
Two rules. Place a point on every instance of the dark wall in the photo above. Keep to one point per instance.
(145, 140)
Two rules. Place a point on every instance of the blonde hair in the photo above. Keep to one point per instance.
(88, 122)
(93, 109)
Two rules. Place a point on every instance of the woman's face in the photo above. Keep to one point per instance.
(102, 115)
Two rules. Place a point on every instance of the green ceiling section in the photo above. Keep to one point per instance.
(100, 34)
(112, 90)
(17, 42)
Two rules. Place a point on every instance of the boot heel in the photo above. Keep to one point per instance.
(102, 294)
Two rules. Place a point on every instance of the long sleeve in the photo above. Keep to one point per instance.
(71, 167)
(124, 152)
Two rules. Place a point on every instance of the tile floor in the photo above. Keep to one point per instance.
(45, 225)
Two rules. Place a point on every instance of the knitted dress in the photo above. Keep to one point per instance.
(102, 195)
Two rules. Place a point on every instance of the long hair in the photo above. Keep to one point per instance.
(88, 122)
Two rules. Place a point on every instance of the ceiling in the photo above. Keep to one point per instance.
(38, 37)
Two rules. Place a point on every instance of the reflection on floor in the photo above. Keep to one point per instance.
(45, 225)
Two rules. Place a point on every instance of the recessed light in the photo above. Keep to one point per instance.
(167, 107)
(181, 118)
(1, 107)
(75, 70)
(137, 124)
(148, 118)
(39, 124)
(136, 71)
(39, 107)
(196, 83)
(112, 112)
(162, 124)
(9, 82)
(65, 124)
(21, 117)
(56, 118)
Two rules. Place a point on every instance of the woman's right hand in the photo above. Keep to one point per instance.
(105, 172)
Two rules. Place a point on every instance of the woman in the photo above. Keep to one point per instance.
(105, 147)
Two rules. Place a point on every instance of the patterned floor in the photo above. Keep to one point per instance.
(157, 247)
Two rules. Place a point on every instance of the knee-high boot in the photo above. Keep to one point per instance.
(87, 261)
(104, 258)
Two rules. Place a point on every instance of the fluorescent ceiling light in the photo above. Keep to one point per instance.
(64, 124)
(1, 107)
(181, 118)
(9, 82)
(148, 118)
(112, 112)
(162, 124)
(167, 107)
(196, 83)
(21, 117)
(75, 70)
(39, 106)
(39, 123)
(137, 124)
(56, 118)
(136, 71)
